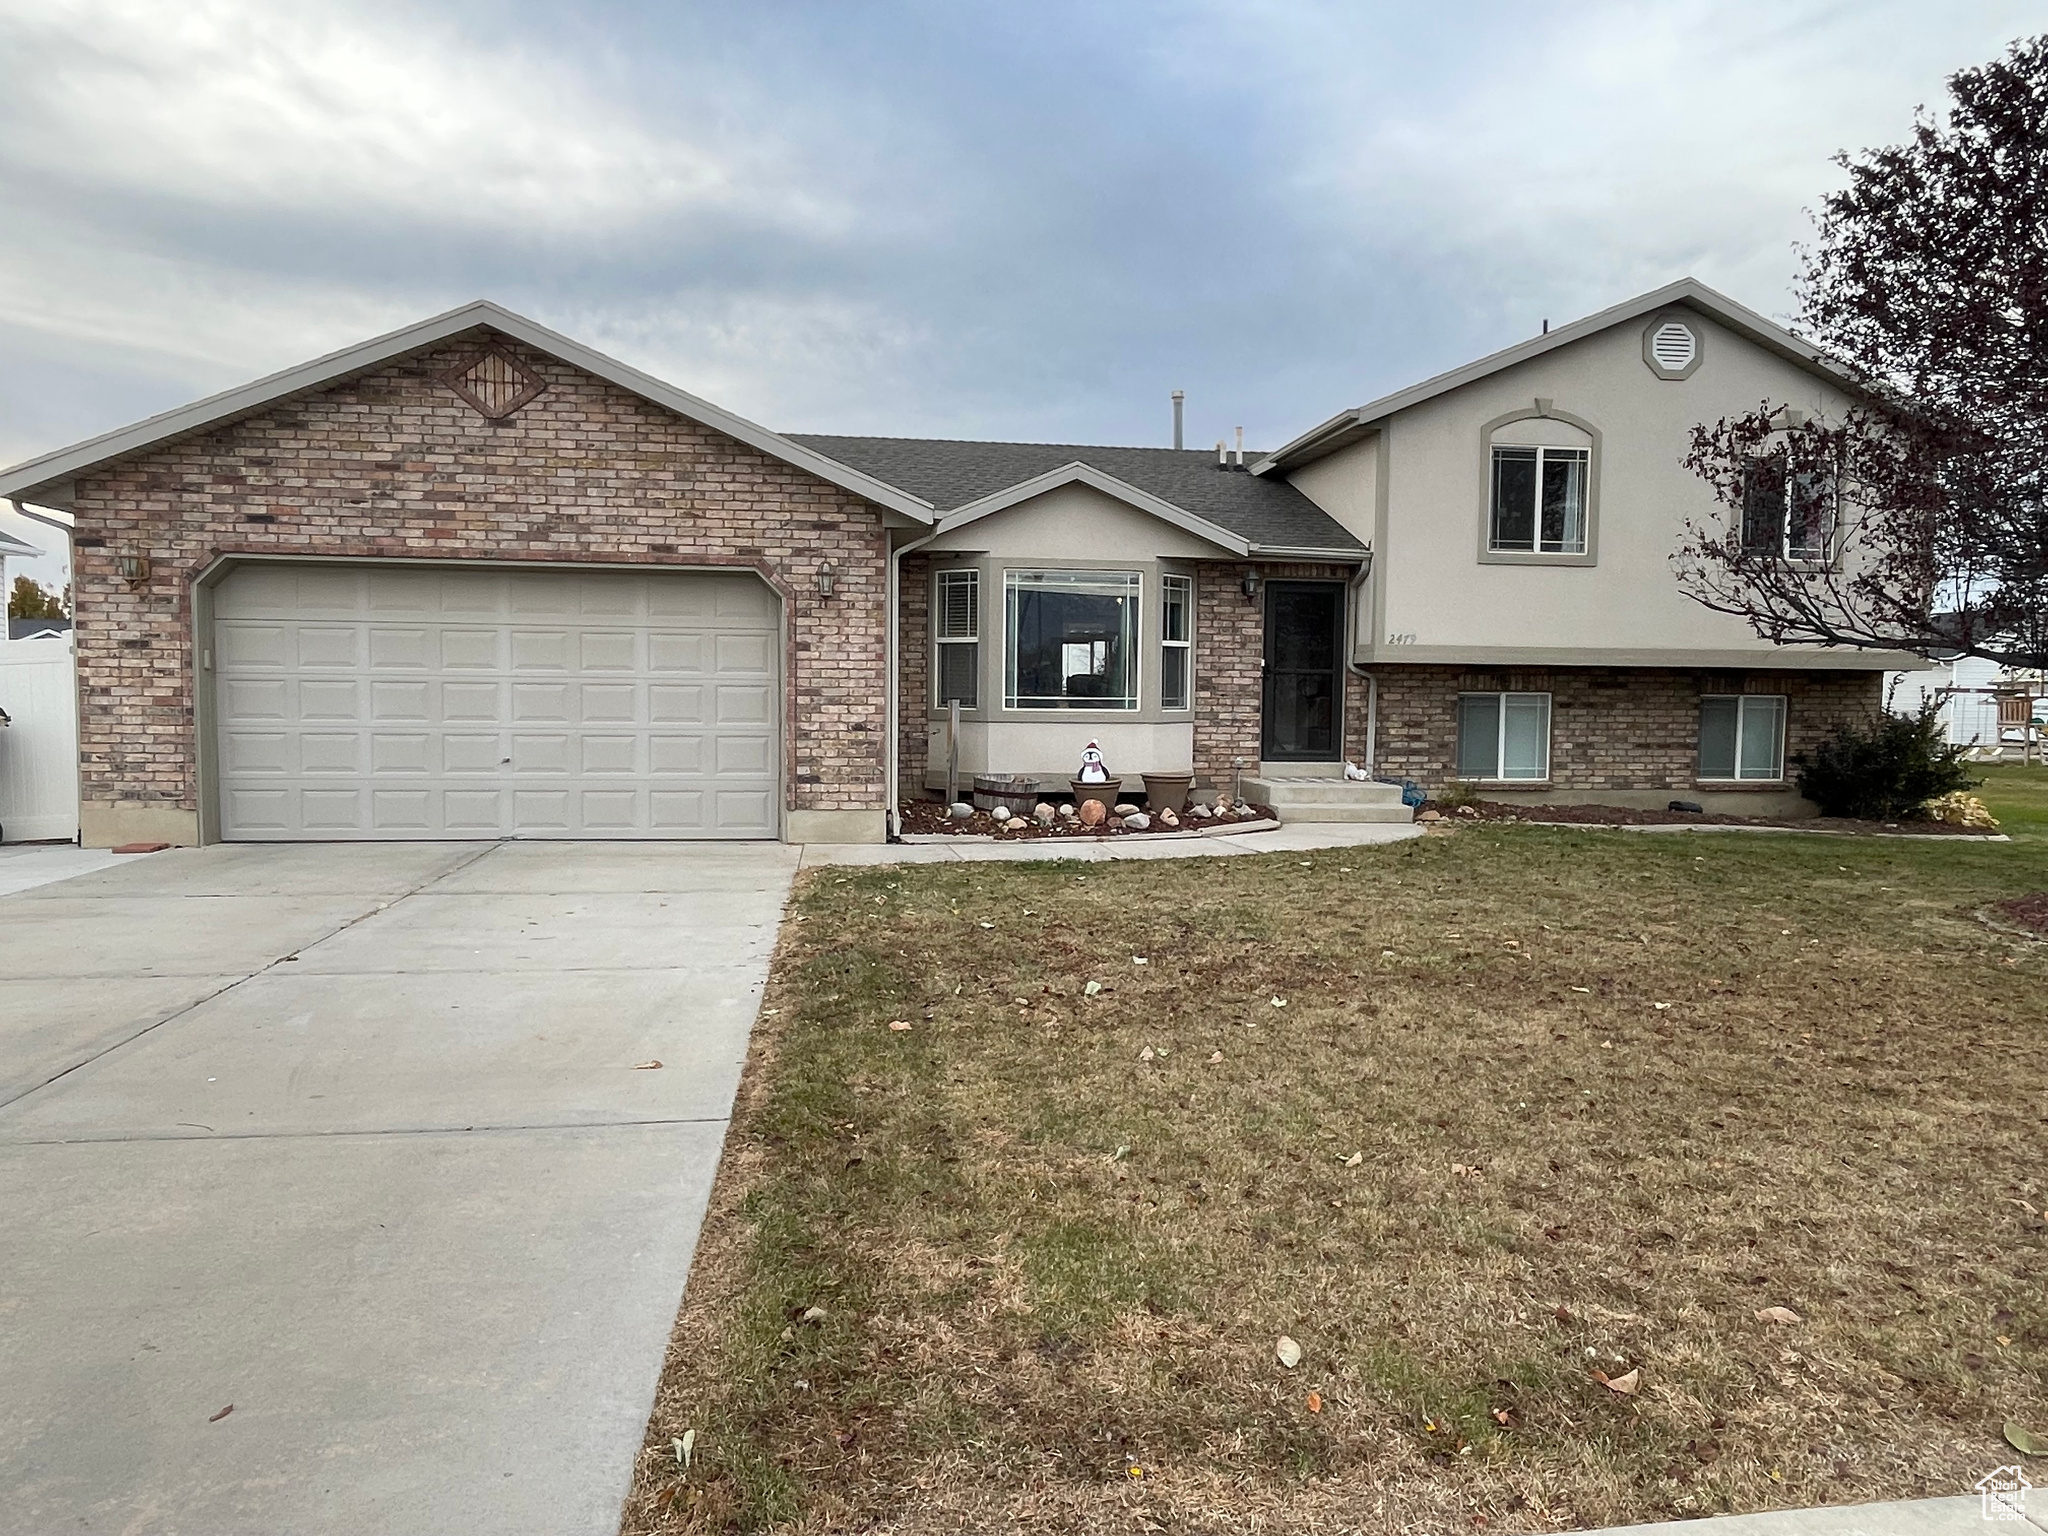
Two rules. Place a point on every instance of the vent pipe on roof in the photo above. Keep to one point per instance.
(1222, 455)
(1179, 397)
(1546, 327)
(1240, 447)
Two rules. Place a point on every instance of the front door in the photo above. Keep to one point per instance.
(1304, 712)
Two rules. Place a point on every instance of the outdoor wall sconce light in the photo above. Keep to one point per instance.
(1250, 585)
(828, 578)
(133, 569)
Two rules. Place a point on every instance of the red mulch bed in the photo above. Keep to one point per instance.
(2030, 912)
(928, 816)
(1623, 816)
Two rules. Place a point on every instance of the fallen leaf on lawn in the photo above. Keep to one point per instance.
(985, 925)
(2017, 1435)
(685, 1448)
(1315, 1402)
(1778, 1315)
(1625, 1385)
(1287, 1352)
(1091, 989)
(1582, 989)
(899, 1025)
(1139, 960)
(646, 1066)
(1354, 1160)
(1118, 1155)
(1279, 1002)
(222, 1414)
(1214, 1057)
(813, 1316)
(1660, 1005)
(1146, 1054)
(1506, 1418)
(1563, 1313)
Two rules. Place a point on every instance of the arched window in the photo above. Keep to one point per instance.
(1541, 477)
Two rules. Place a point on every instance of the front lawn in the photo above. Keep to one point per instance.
(1478, 1120)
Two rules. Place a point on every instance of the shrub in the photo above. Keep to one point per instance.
(1885, 770)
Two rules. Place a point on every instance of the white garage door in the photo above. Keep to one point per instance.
(389, 702)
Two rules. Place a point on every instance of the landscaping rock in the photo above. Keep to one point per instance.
(960, 810)
(1168, 819)
(1001, 814)
(1137, 821)
(1067, 813)
(1125, 808)
(1199, 812)
(1092, 813)
(1042, 814)
(1430, 816)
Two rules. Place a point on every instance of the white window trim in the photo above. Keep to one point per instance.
(1583, 456)
(1167, 583)
(1832, 539)
(1500, 735)
(1784, 723)
(940, 581)
(1013, 582)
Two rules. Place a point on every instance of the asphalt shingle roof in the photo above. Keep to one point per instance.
(1263, 509)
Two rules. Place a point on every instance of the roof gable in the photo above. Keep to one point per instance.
(1186, 487)
(1082, 474)
(1687, 293)
(40, 475)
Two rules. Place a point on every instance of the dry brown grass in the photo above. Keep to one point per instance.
(1611, 1095)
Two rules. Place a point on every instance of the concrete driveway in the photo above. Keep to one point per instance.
(352, 1137)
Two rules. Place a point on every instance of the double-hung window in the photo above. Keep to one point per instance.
(1539, 500)
(1503, 735)
(956, 631)
(1176, 646)
(1742, 736)
(1070, 639)
(1787, 510)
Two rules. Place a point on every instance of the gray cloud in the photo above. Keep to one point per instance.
(914, 218)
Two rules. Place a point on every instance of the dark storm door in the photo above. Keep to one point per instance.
(1304, 672)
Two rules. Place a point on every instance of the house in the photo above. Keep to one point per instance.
(475, 579)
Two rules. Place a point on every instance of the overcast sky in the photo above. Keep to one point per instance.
(937, 219)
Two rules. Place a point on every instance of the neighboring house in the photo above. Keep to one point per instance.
(1965, 691)
(37, 629)
(474, 579)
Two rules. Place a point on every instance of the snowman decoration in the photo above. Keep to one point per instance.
(1093, 769)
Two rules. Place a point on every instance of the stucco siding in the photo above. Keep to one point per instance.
(1438, 594)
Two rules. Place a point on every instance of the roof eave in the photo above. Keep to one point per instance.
(25, 480)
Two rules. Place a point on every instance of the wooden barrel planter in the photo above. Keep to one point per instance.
(1016, 793)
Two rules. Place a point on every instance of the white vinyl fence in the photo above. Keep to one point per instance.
(39, 751)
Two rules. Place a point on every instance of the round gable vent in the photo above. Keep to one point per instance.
(1671, 348)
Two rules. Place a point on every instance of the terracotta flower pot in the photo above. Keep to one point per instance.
(1168, 791)
(1105, 793)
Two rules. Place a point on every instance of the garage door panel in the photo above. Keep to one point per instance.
(380, 701)
(464, 752)
(395, 752)
(243, 644)
(329, 699)
(328, 645)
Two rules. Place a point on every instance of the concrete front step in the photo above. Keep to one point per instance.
(1326, 799)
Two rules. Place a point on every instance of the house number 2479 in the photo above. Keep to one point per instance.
(1405, 638)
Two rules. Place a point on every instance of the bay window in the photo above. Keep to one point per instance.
(1503, 735)
(956, 631)
(1176, 647)
(1070, 639)
(1742, 736)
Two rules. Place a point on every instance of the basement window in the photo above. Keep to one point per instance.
(1503, 735)
(1742, 736)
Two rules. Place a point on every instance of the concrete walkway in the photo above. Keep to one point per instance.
(351, 1138)
(1911, 1517)
(1301, 837)
(24, 866)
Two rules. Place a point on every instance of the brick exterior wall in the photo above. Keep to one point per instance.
(914, 674)
(394, 463)
(1610, 728)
